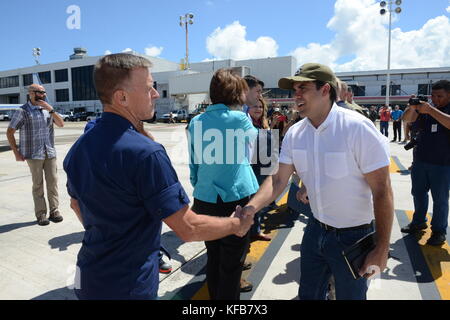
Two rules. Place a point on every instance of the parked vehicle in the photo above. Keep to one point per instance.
(4, 117)
(178, 116)
(94, 116)
(200, 109)
(81, 116)
(64, 116)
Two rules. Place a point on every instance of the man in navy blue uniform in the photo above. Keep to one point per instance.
(431, 162)
(122, 186)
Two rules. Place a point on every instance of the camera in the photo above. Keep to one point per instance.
(416, 101)
(411, 144)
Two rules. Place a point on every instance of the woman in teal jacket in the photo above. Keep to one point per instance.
(220, 140)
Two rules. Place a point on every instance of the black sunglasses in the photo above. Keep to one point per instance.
(38, 91)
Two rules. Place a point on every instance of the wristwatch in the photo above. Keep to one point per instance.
(53, 111)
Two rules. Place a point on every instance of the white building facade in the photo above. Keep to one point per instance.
(70, 86)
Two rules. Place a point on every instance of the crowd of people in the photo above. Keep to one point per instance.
(242, 155)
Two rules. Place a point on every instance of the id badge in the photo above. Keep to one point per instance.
(434, 128)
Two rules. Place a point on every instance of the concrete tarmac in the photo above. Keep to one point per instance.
(39, 262)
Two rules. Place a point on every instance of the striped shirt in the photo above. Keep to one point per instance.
(36, 135)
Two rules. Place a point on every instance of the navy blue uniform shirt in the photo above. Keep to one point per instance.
(434, 140)
(125, 185)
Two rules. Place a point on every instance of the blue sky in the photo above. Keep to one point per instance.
(357, 38)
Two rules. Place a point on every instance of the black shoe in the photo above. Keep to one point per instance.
(246, 286)
(412, 228)
(42, 220)
(55, 217)
(436, 239)
(247, 266)
(393, 140)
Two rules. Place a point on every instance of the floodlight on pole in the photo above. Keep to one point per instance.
(36, 54)
(389, 9)
(186, 20)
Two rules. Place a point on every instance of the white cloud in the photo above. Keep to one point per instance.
(153, 51)
(231, 43)
(107, 52)
(128, 50)
(362, 33)
(448, 9)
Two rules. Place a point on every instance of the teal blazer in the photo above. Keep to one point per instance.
(219, 141)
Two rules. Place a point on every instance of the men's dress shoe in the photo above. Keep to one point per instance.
(42, 220)
(247, 266)
(55, 217)
(411, 228)
(164, 267)
(246, 286)
(436, 239)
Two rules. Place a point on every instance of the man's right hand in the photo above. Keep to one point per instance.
(245, 215)
(19, 156)
(302, 194)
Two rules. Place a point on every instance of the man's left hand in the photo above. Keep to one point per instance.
(375, 263)
(44, 105)
(424, 108)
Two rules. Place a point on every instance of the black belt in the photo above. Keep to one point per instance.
(330, 228)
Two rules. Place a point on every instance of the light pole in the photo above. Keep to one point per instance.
(389, 6)
(186, 20)
(36, 54)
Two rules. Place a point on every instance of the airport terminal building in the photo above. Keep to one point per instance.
(70, 86)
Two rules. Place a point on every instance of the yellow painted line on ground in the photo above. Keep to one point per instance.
(438, 260)
(393, 168)
(257, 250)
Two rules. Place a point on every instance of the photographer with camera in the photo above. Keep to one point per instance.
(431, 160)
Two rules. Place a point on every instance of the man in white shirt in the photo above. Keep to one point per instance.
(343, 162)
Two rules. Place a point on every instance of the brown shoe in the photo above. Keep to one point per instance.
(55, 217)
(246, 286)
(42, 220)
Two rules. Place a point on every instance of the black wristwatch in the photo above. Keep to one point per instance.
(53, 111)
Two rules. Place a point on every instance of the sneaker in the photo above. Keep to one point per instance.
(436, 239)
(246, 286)
(55, 217)
(42, 220)
(164, 267)
(412, 228)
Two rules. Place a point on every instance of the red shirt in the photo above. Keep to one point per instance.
(385, 114)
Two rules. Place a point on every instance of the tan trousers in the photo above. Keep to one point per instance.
(38, 168)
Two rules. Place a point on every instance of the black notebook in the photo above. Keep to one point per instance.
(356, 254)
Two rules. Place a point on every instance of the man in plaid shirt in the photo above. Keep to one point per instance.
(37, 147)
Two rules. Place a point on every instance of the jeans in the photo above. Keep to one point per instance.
(384, 128)
(321, 257)
(426, 177)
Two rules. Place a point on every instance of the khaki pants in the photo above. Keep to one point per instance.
(38, 168)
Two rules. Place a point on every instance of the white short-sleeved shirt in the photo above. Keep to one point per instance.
(331, 161)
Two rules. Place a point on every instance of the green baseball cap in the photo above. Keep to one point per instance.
(309, 72)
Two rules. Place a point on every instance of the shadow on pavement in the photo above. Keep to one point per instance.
(57, 294)
(14, 226)
(63, 242)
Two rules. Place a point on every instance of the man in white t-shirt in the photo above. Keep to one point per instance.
(343, 162)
